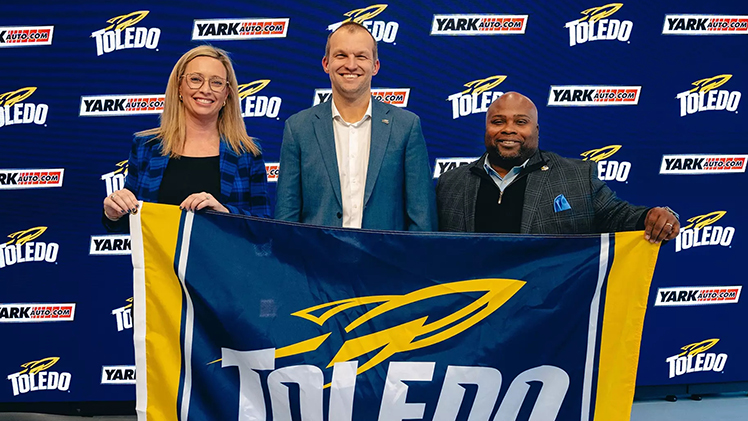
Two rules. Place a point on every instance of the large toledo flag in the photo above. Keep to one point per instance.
(239, 318)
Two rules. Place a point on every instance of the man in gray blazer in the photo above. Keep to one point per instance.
(517, 188)
(354, 161)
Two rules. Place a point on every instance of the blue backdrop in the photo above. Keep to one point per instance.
(58, 60)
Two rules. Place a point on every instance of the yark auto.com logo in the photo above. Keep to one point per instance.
(35, 377)
(694, 359)
(115, 180)
(121, 34)
(705, 25)
(703, 164)
(258, 105)
(121, 105)
(239, 29)
(393, 96)
(272, 169)
(381, 31)
(20, 248)
(115, 244)
(593, 96)
(31, 178)
(16, 111)
(123, 315)
(477, 97)
(608, 170)
(705, 97)
(595, 26)
(700, 232)
(443, 165)
(118, 374)
(34, 313)
(694, 296)
(478, 24)
(25, 36)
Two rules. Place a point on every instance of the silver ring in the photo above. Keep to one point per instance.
(111, 196)
(671, 225)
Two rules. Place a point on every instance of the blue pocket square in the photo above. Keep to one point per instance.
(560, 203)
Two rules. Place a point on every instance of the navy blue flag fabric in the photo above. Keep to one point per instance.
(249, 319)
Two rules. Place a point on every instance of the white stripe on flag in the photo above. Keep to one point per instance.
(589, 363)
(138, 314)
(189, 316)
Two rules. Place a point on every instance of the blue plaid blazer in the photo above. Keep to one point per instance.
(243, 179)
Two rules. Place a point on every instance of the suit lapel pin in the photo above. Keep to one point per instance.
(544, 168)
(385, 121)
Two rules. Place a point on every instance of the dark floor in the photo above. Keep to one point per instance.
(722, 407)
(719, 407)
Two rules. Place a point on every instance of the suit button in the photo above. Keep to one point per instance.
(340, 215)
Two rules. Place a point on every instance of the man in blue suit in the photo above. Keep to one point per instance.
(353, 161)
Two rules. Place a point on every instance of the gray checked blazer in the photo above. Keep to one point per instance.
(594, 207)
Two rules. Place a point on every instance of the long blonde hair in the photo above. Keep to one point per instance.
(172, 131)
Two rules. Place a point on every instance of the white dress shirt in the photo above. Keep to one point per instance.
(352, 144)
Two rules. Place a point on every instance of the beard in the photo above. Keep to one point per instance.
(509, 160)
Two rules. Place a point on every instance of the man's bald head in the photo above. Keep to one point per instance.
(515, 99)
(511, 131)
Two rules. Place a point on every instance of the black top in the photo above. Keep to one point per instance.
(186, 175)
(504, 217)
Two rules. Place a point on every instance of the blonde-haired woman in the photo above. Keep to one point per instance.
(201, 156)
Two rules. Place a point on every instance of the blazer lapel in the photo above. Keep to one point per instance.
(228, 168)
(535, 180)
(156, 169)
(472, 185)
(326, 140)
(380, 137)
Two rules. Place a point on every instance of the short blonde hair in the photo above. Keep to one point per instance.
(172, 131)
(351, 27)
